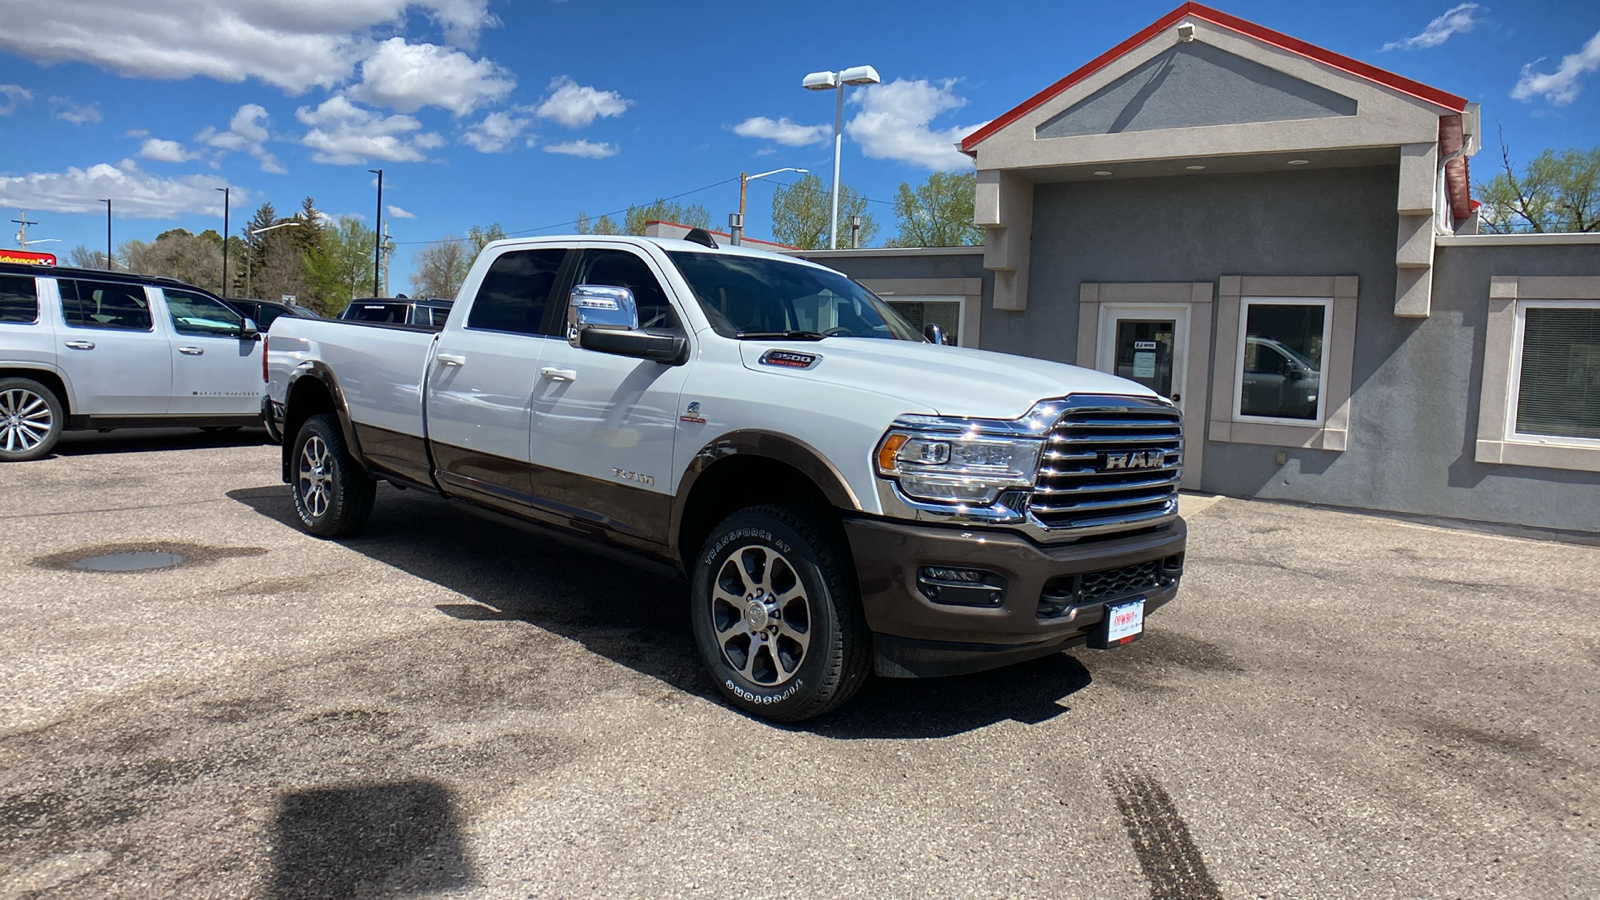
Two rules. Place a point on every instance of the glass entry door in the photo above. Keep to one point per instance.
(1145, 344)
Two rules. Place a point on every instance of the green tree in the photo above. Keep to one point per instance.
(937, 212)
(439, 268)
(307, 235)
(603, 225)
(477, 239)
(1556, 192)
(660, 210)
(340, 269)
(800, 214)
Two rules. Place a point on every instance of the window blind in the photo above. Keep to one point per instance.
(1560, 390)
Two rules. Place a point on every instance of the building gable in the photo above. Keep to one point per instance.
(1195, 84)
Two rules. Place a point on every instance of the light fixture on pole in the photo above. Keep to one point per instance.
(835, 81)
(737, 228)
(108, 233)
(249, 256)
(377, 238)
(227, 203)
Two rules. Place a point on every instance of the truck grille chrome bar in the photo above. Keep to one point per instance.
(1111, 463)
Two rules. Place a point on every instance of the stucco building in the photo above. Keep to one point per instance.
(1282, 239)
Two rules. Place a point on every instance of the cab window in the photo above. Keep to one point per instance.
(619, 268)
(197, 314)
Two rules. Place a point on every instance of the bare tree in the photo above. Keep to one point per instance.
(1556, 192)
(440, 267)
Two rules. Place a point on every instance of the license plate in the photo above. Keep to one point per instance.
(1124, 622)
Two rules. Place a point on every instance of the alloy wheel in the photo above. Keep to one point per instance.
(25, 420)
(761, 614)
(316, 476)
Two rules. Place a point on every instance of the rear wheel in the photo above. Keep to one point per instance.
(31, 419)
(332, 494)
(777, 618)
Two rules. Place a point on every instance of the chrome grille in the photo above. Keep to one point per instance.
(1110, 464)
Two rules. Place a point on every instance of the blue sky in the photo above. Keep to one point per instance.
(523, 112)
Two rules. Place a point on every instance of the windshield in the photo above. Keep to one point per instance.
(746, 296)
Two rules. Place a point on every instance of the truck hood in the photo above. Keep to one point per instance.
(949, 381)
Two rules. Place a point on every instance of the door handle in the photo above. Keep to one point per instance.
(81, 345)
(191, 351)
(451, 359)
(555, 374)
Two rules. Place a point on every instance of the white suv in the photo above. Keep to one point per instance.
(86, 349)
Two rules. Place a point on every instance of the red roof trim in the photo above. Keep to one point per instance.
(1248, 29)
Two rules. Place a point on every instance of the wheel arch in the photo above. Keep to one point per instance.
(750, 468)
(313, 389)
(50, 378)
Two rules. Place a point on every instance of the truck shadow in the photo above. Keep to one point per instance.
(640, 620)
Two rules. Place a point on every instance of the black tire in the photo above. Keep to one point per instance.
(776, 559)
(332, 493)
(31, 419)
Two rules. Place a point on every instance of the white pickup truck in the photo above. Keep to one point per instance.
(86, 349)
(843, 495)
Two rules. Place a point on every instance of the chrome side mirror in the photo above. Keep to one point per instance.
(600, 307)
(933, 333)
(248, 330)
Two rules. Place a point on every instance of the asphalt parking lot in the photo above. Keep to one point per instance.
(1335, 706)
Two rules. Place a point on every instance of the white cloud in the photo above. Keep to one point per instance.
(68, 111)
(345, 134)
(290, 44)
(137, 194)
(894, 123)
(247, 133)
(408, 77)
(790, 134)
(575, 106)
(165, 151)
(13, 96)
(1561, 86)
(396, 212)
(586, 149)
(1455, 20)
(497, 131)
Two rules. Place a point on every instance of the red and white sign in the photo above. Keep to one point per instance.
(27, 257)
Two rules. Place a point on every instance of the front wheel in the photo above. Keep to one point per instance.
(332, 494)
(31, 419)
(777, 617)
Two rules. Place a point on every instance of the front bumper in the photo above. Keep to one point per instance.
(915, 637)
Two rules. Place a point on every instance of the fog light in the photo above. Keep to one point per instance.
(961, 587)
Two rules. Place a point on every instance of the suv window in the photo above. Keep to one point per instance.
(105, 304)
(201, 315)
(619, 268)
(19, 299)
(515, 292)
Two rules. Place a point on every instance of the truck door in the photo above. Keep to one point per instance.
(603, 425)
(118, 362)
(214, 371)
(481, 380)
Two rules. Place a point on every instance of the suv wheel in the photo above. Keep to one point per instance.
(332, 494)
(31, 419)
(777, 619)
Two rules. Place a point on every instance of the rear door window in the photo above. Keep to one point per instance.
(105, 304)
(19, 300)
(620, 268)
(515, 292)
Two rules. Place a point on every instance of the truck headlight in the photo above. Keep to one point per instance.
(967, 468)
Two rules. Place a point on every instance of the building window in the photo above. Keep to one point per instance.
(1557, 379)
(946, 312)
(1281, 365)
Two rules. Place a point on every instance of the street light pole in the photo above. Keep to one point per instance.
(377, 238)
(835, 81)
(227, 202)
(108, 234)
(738, 230)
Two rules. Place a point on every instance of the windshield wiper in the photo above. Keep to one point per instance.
(782, 335)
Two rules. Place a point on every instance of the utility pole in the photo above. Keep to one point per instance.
(108, 234)
(22, 232)
(377, 238)
(388, 251)
(227, 200)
